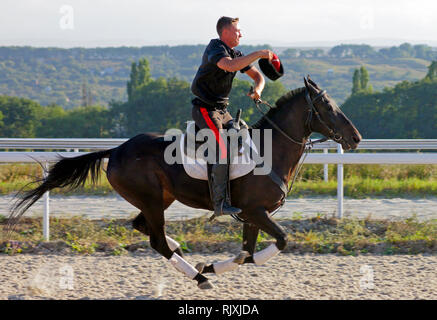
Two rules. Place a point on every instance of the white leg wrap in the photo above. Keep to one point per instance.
(172, 244)
(224, 266)
(183, 266)
(265, 254)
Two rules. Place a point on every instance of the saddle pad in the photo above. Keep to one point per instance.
(197, 168)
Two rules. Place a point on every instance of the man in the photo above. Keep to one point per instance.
(211, 86)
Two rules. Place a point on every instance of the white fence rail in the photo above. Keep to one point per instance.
(339, 158)
(99, 144)
(42, 143)
(312, 158)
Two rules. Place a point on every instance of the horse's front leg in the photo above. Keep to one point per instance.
(259, 219)
(250, 236)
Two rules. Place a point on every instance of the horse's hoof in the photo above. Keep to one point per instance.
(200, 266)
(205, 285)
(241, 257)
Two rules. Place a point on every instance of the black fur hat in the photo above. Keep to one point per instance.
(269, 70)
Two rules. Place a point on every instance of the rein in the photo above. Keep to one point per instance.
(308, 145)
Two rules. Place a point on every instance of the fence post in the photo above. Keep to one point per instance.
(46, 215)
(325, 167)
(340, 184)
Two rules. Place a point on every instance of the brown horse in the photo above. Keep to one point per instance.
(138, 172)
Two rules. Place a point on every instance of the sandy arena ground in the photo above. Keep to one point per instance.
(145, 275)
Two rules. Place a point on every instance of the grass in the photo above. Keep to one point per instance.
(357, 187)
(369, 180)
(359, 182)
(316, 235)
(14, 177)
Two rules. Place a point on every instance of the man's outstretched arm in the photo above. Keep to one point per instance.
(236, 64)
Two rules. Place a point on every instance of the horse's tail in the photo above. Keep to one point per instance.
(71, 172)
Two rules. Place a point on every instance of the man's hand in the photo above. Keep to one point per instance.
(254, 94)
(266, 54)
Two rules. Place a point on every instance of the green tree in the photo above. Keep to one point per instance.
(51, 122)
(432, 71)
(407, 50)
(20, 117)
(87, 122)
(406, 111)
(364, 78)
(79, 122)
(156, 106)
(132, 83)
(422, 51)
(144, 76)
(360, 81)
(139, 76)
(356, 83)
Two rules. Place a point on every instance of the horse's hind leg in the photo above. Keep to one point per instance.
(250, 236)
(154, 216)
(140, 224)
(147, 194)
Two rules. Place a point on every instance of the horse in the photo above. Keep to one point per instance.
(137, 171)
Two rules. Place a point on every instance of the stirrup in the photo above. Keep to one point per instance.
(220, 213)
(217, 214)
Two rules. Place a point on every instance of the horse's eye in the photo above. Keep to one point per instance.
(328, 105)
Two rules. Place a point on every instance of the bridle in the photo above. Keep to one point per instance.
(312, 110)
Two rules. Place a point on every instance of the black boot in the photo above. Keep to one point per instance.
(218, 186)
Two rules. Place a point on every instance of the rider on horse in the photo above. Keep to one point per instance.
(211, 86)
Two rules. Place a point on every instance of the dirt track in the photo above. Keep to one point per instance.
(144, 275)
(95, 207)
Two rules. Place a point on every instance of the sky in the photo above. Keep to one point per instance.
(103, 23)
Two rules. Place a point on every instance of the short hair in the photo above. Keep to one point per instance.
(224, 22)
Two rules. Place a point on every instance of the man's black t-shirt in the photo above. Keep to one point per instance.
(211, 84)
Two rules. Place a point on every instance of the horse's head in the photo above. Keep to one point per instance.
(326, 118)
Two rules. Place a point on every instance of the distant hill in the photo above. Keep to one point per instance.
(61, 76)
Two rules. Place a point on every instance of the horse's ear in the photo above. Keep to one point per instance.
(308, 85)
(313, 83)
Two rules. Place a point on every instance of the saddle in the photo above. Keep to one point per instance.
(195, 152)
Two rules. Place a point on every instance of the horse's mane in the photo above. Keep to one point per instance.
(284, 100)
